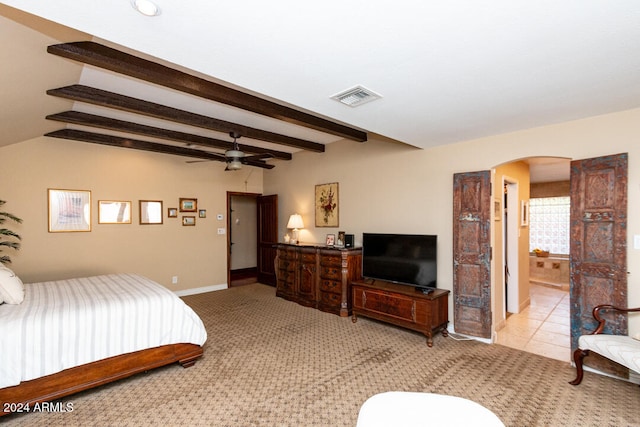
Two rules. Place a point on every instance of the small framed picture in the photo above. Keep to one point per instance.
(188, 205)
(331, 239)
(188, 220)
(150, 212)
(69, 210)
(114, 212)
(172, 212)
(340, 241)
(202, 213)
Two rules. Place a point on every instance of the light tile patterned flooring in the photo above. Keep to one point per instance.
(541, 328)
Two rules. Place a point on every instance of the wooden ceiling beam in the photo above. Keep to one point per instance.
(92, 120)
(134, 105)
(118, 141)
(120, 62)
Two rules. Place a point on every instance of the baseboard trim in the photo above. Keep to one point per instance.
(202, 290)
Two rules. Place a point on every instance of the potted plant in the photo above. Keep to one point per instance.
(7, 237)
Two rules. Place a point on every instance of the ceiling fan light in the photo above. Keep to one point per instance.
(235, 154)
(234, 165)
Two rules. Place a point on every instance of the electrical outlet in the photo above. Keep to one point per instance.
(174, 280)
(221, 231)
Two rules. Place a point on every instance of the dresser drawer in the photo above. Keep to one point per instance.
(328, 272)
(330, 299)
(333, 286)
(307, 257)
(286, 265)
(331, 260)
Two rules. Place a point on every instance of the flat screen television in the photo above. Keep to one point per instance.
(408, 259)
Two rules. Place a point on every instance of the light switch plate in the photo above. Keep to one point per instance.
(221, 231)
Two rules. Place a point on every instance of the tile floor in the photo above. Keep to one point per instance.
(541, 328)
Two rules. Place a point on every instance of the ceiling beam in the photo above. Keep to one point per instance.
(134, 105)
(92, 120)
(120, 62)
(118, 141)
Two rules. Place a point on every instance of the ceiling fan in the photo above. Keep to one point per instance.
(235, 158)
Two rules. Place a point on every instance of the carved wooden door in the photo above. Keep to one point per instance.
(267, 238)
(472, 253)
(598, 246)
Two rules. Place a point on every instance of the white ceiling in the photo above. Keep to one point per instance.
(447, 71)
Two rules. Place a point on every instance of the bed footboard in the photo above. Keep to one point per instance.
(84, 377)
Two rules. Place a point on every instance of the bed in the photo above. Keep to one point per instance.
(71, 335)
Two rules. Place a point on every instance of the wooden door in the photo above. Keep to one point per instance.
(267, 238)
(598, 230)
(472, 253)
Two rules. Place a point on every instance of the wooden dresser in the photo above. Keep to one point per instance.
(402, 305)
(318, 276)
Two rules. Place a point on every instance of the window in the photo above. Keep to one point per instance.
(549, 224)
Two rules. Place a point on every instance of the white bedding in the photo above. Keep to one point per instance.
(67, 323)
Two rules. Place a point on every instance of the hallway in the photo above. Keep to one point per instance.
(541, 328)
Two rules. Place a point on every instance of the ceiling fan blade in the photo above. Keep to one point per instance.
(258, 157)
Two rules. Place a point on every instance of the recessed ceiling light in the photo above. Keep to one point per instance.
(146, 7)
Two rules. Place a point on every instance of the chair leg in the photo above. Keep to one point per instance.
(578, 357)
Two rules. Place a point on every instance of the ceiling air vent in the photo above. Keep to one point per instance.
(356, 96)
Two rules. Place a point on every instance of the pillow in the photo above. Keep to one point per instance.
(11, 287)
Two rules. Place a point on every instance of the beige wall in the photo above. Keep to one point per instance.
(197, 255)
(392, 188)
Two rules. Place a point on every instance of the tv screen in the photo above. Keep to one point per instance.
(401, 258)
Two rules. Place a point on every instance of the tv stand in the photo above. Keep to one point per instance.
(402, 305)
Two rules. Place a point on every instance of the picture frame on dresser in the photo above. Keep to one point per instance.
(330, 240)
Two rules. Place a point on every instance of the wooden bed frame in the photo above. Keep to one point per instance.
(84, 377)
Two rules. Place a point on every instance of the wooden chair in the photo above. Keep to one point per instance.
(622, 349)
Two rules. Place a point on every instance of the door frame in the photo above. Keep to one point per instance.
(510, 246)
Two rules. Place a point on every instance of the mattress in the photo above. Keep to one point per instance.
(67, 323)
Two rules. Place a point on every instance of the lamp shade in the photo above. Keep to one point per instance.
(295, 222)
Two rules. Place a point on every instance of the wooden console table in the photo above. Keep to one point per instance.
(402, 305)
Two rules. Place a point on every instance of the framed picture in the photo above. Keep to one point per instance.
(202, 213)
(188, 205)
(150, 212)
(114, 212)
(69, 210)
(172, 212)
(341, 237)
(524, 213)
(188, 220)
(326, 204)
(331, 239)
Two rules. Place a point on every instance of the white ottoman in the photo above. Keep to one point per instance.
(409, 409)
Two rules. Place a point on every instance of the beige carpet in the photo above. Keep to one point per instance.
(271, 362)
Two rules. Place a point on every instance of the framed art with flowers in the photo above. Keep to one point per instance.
(327, 206)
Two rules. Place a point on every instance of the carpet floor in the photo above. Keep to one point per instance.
(272, 362)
